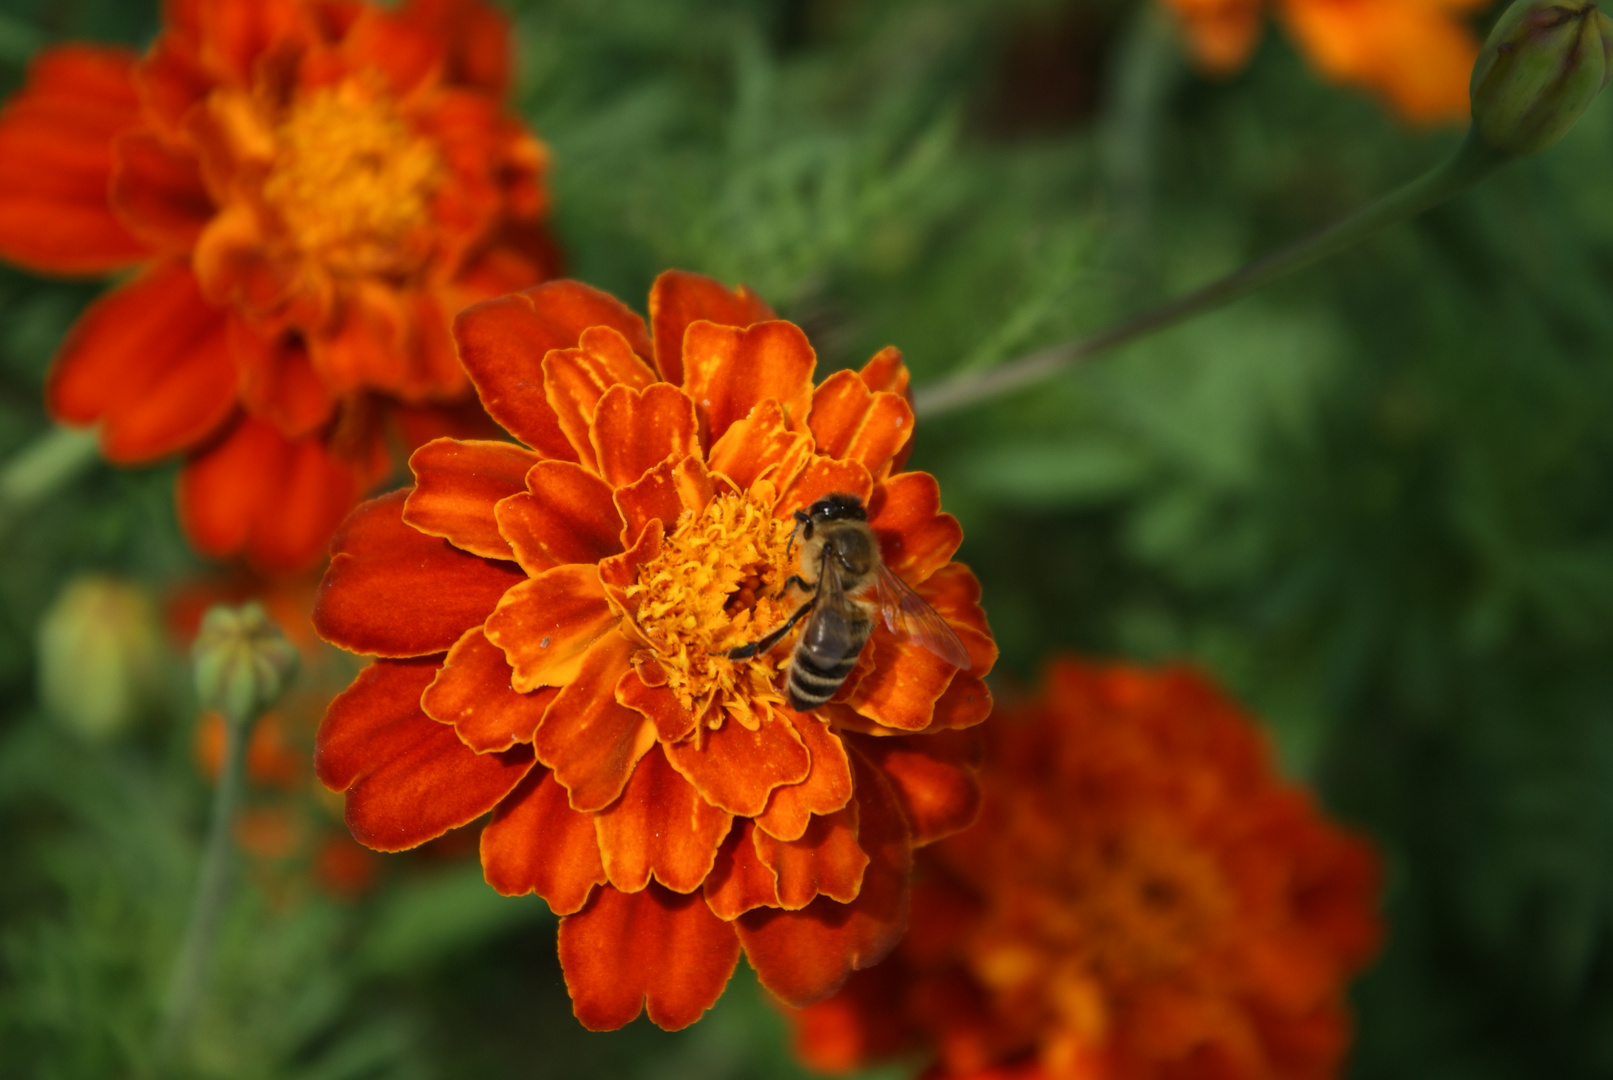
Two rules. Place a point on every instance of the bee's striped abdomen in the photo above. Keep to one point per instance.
(812, 683)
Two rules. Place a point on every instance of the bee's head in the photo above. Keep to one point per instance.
(838, 506)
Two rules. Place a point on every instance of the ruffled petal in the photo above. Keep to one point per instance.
(565, 516)
(820, 476)
(934, 779)
(825, 860)
(739, 881)
(305, 505)
(759, 445)
(653, 950)
(157, 192)
(456, 486)
(392, 591)
(393, 47)
(659, 826)
(804, 956)
(619, 572)
(590, 741)
(56, 162)
(546, 624)
(536, 843)
(575, 379)
(915, 538)
(727, 372)
(658, 703)
(966, 702)
(634, 431)
(679, 298)
(503, 342)
(848, 421)
(473, 692)
(885, 371)
(277, 382)
(664, 493)
(736, 768)
(236, 269)
(473, 35)
(408, 779)
(827, 787)
(150, 361)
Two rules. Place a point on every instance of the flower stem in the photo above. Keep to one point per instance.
(44, 465)
(1471, 162)
(212, 892)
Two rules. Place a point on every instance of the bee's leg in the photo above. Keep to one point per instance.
(745, 652)
(802, 519)
(797, 579)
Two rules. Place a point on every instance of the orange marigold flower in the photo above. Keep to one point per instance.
(309, 189)
(1142, 899)
(552, 622)
(1416, 54)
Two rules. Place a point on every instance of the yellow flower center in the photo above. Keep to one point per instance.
(714, 587)
(352, 182)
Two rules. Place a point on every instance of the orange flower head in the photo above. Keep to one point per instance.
(1415, 54)
(1141, 899)
(562, 632)
(308, 191)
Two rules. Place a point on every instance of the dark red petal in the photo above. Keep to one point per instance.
(736, 768)
(590, 741)
(825, 860)
(659, 826)
(408, 778)
(727, 372)
(653, 950)
(827, 787)
(566, 515)
(915, 538)
(761, 444)
(663, 494)
(393, 591)
(739, 881)
(804, 956)
(472, 692)
(679, 298)
(537, 843)
(473, 34)
(158, 193)
(934, 778)
(277, 382)
(547, 623)
(575, 379)
(672, 721)
(293, 526)
(633, 431)
(457, 484)
(849, 422)
(820, 476)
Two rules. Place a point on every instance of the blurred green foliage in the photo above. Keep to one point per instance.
(1376, 499)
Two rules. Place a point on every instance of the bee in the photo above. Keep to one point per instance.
(848, 585)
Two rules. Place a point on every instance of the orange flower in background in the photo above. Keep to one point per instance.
(553, 622)
(308, 190)
(1142, 899)
(1416, 54)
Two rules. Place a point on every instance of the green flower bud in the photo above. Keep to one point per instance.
(103, 662)
(1544, 63)
(243, 663)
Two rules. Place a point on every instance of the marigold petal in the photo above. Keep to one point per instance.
(383, 340)
(652, 951)
(679, 298)
(456, 486)
(848, 421)
(590, 741)
(935, 779)
(394, 47)
(825, 860)
(736, 768)
(408, 779)
(474, 36)
(761, 444)
(886, 371)
(473, 692)
(307, 501)
(863, 1023)
(536, 843)
(503, 342)
(966, 702)
(827, 787)
(150, 361)
(277, 381)
(546, 624)
(633, 431)
(804, 956)
(672, 721)
(660, 826)
(56, 162)
(728, 371)
(575, 379)
(665, 493)
(820, 476)
(566, 515)
(392, 591)
(915, 538)
(235, 267)
(157, 192)
(619, 572)
(739, 881)
(234, 34)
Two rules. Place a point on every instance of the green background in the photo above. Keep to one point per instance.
(1376, 500)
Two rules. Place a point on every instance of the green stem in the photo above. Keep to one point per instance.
(212, 892)
(1472, 162)
(44, 465)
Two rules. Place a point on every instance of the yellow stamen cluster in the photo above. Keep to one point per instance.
(352, 182)
(713, 588)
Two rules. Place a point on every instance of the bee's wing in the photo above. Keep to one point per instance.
(907, 615)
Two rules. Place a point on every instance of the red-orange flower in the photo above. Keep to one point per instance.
(1416, 54)
(1142, 899)
(309, 190)
(552, 622)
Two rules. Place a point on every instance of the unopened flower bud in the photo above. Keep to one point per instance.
(243, 663)
(102, 659)
(1544, 63)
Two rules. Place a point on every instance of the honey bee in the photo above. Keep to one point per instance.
(847, 586)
